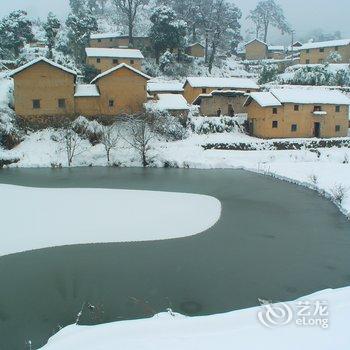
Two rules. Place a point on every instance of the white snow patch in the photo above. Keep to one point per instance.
(117, 53)
(40, 218)
(211, 82)
(86, 90)
(233, 330)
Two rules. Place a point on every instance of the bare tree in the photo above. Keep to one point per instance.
(110, 138)
(130, 8)
(267, 13)
(72, 143)
(140, 136)
(339, 193)
(102, 4)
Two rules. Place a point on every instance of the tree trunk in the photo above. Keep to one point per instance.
(194, 34)
(266, 28)
(206, 49)
(131, 29)
(108, 157)
(212, 56)
(157, 56)
(144, 159)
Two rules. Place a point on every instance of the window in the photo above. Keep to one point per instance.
(308, 51)
(337, 109)
(132, 61)
(274, 124)
(336, 48)
(99, 40)
(115, 61)
(111, 39)
(317, 108)
(111, 103)
(98, 60)
(248, 91)
(204, 91)
(294, 127)
(36, 104)
(296, 108)
(307, 61)
(274, 110)
(337, 128)
(322, 49)
(61, 103)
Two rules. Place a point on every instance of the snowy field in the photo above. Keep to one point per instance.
(54, 217)
(234, 330)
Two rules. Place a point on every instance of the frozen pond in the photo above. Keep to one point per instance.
(274, 241)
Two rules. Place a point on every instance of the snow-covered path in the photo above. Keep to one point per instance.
(39, 218)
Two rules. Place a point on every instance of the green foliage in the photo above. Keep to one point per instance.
(15, 31)
(166, 32)
(89, 72)
(268, 73)
(51, 27)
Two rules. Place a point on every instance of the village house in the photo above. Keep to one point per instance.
(194, 86)
(175, 104)
(104, 59)
(221, 102)
(292, 113)
(43, 88)
(256, 50)
(320, 52)
(123, 90)
(155, 87)
(195, 50)
(117, 40)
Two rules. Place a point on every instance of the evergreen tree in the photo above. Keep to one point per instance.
(166, 32)
(51, 28)
(15, 31)
(80, 26)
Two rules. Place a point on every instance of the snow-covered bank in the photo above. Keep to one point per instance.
(234, 330)
(39, 218)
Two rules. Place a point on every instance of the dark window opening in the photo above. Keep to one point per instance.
(204, 91)
(98, 60)
(308, 51)
(317, 108)
(274, 110)
(275, 124)
(99, 40)
(61, 103)
(36, 104)
(111, 39)
(111, 103)
(294, 127)
(321, 49)
(337, 128)
(132, 61)
(336, 48)
(337, 109)
(296, 108)
(115, 61)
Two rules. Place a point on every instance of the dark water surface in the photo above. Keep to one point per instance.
(274, 240)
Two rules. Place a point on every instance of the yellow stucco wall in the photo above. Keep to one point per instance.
(315, 56)
(190, 93)
(256, 50)
(262, 119)
(88, 106)
(196, 50)
(107, 63)
(126, 88)
(209, 106)
(46, 83)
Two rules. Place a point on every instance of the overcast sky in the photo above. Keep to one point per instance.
(304, 15)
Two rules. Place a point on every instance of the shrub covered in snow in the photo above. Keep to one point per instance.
(168, 126)
(10, 135)
(89, 129)
(268, 73)
(207, 125)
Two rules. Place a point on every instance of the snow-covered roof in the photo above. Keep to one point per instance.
(276, 48)
(264, 99)
(171, 102)
(86, 90)
(41, 59)
(119, 66)
(310, 96)
(194, 44)
(164, 86)
(104, 35)
(322, 44)
(231, 83)
(113, 35)
(251, 41)
(113, 53)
